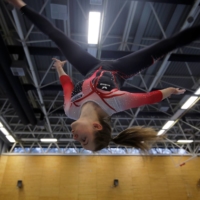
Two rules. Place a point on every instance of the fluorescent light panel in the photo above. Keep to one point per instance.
(4, 131)
(168, 124)
(93, 29)
(10, 138)
(30, 139)
(184, 141)
(189, 102)
(161, 132)
(177, 114)
(197, 92)
(48, 140)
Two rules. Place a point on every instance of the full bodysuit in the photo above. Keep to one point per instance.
(103, 79)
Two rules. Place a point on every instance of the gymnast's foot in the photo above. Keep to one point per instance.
(16, 3)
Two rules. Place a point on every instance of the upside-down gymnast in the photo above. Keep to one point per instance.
(92, 101)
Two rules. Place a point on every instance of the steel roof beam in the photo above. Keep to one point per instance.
(26, 50)
(28, 87)
(103, 18)
(113, 23)
(129, 22)
(105, 54)
(32, 26)
(142, 115)
(68, 33)
(142, 26)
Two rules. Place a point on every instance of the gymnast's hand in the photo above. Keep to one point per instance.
(58, 63)
(178, 91)
(169, 91)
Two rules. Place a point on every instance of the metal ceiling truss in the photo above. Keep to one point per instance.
(58, 125)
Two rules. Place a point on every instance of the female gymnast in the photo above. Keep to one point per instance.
(92, 101)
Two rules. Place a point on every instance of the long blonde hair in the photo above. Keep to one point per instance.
(139, 137)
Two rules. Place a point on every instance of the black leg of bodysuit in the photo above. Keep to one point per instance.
(128, 65)
(137, 61)
(77, 56)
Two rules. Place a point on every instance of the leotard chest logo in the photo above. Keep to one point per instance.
(104, 86)
(77, 96)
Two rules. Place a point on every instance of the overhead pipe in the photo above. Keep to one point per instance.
(124, 115)
(105, 54)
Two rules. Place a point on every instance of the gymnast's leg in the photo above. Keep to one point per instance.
(78, 57)
(137, 61)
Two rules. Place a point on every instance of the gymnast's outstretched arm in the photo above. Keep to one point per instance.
(65, 81)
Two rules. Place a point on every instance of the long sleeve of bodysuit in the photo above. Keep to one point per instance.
(132, 100)
(68, 87)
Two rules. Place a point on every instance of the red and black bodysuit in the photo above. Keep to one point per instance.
(102, 88)
(103, 79)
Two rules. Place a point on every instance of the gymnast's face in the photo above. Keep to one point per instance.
(84, 131)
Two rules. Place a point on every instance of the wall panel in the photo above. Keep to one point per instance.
(91, 178)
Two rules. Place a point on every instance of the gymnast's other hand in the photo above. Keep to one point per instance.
(178, 91)
(58, 63)
(167, 92)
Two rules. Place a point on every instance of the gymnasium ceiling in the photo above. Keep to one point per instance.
(35, 111)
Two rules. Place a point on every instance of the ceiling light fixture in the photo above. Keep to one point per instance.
(4, 131)
(161, 132)
(184, 141)
(197, 92)
(168, 124)
(48, 140)
(189, 102)
(10, 138)
(29, 139)
(93, 28)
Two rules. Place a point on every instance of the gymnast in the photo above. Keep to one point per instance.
(92, 101)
